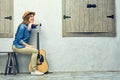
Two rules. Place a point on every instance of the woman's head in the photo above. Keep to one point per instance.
(28, 17)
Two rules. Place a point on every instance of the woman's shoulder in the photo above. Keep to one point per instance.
(22, 26)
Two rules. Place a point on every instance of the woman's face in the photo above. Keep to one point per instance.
(31, 18)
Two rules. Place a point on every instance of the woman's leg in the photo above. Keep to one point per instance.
(28, 50)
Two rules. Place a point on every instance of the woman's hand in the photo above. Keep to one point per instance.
(31, 46)
(35, 23)
(27, 45)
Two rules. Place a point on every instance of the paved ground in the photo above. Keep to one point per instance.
(65, 76)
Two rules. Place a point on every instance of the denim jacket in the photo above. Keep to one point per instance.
(22, 35)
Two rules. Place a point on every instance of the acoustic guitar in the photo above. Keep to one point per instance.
(42, 64)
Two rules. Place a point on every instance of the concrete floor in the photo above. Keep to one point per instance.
(65, 76)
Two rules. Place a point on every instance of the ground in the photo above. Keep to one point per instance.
(65, 76)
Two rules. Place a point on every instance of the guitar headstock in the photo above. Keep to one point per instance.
(39, 27)
(40, 24)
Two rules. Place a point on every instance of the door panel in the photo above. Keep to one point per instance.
(75, 9)
(85, 28)
(110, 12)
(6, 24)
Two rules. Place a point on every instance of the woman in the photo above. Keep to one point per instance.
(21, 41)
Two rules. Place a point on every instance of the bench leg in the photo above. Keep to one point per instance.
(6, 68)
(12, 64)
(16, 62)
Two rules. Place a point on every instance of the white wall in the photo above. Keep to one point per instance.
(71, 53)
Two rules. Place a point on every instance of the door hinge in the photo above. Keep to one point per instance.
(64, 17)
(111, 16)
(8, 17)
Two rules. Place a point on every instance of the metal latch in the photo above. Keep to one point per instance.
(91, 6)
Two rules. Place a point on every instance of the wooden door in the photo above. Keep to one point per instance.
(6, 18)
(88, 16)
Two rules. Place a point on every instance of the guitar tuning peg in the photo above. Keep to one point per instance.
(40, 24)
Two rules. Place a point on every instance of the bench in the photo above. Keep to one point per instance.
(12, 66)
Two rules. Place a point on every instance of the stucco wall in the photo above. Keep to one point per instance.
(64, 54)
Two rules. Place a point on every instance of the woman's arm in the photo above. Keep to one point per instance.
(32, 24)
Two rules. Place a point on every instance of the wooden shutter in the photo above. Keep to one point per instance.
(6, 18)
(91, 17)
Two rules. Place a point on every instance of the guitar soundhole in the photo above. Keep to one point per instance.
(40, 58)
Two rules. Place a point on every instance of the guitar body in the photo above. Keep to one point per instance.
(42, 66)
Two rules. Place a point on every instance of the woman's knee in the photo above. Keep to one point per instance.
(35, 51)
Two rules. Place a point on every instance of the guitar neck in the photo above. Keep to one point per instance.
(38, 47)
(38, 41)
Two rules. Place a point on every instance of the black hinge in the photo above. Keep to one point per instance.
(111, 16)
(64, 17)
(8, 17)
